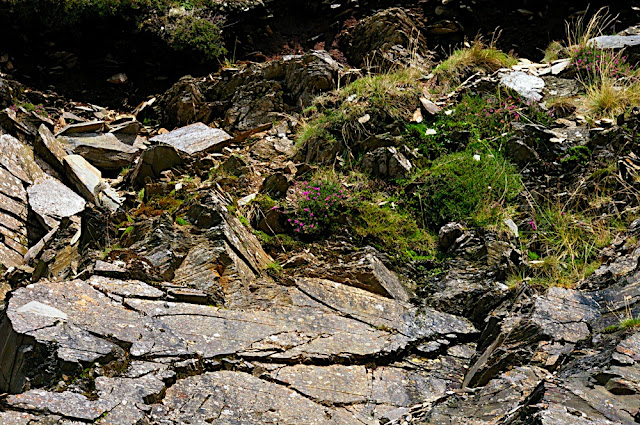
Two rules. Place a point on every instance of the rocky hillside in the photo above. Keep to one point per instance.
(344, 228)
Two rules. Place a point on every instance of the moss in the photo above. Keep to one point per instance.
(392, 231)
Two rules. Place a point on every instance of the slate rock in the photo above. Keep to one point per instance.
(387, 162)
(526, 85)
(154, 161)
(195, 138)
(52, 201)
(103, 151)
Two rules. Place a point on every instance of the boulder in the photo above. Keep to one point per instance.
(103, 151)
(89, 183)
(366, 272)
(49, 148)
(374, 39)
(154, 161)
(194, 138)
(526, 85)
(387, 162)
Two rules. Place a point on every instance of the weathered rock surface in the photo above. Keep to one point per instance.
(387, 163)
(52, 201)
(194, 138)
(89, 183)
(103, 151)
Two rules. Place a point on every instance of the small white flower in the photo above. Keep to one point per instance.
(476, 157)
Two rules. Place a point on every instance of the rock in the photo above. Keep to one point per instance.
(614, 41)
(276, 185)
(103, 151)
(183, 104)
(465, 289)
(82, 127)
(89, 183)
(375, 37)
(255, 104)
(52, 201)
(556, 323)
(226, 394)
(448, 234)
(368, 273)
(309, 74)
(153, 162)
(387, 163)
(194, 138)
(526, 85)
(494, 402)
(49, 148)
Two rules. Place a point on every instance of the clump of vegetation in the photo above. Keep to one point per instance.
(564, 245)
(460, 185)
(487, 119)
(199, 35)
(361, 109)
(611, 84)
(477, 57)
(318, 206)
(391, 230)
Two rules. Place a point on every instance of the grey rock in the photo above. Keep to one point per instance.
(49, 148)
(375, 37)
(154, 161)
(448, 234)
(366, 272)
(614, 41)
(68, 404)
(103, 151)
(387, 162)
(89, 183)
(82, 127)
(224, 397)
(526, 85)
(52, 201)
(195, 138)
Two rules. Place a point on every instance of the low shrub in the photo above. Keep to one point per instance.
(462, 184)
(198, 35)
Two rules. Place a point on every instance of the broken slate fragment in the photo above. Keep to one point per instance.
(52, 201)
(527, 85)
(195, 138)
(82, 127)
(104, 151)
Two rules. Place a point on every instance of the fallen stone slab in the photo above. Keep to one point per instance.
(154, 161)
(89, 183)
(49, 148)
(18, 159)
(526, 85)
(51, 201)
(82, 127)
(195, 138)
(367, 272)
(68, 404)
(103, 151)
(339, 384)
(614, 41)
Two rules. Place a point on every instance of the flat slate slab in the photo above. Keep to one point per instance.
(526, 85)
(104, 151)
(52, 201)
(195, 138)
(614, 41)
